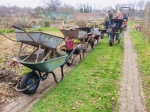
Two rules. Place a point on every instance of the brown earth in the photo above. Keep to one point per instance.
(9, 70)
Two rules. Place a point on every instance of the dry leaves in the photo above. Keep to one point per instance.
(9, 70)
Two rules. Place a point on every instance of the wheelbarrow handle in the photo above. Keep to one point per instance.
(8, 37)
(17, 27)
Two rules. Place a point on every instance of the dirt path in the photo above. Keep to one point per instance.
(9, 71)
(131, 94)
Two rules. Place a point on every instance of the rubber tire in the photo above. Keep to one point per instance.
(45, 77)
(85, 48)
(24, 81)
(92, 44)
(125, 29)
(76, 51)
(111, 42)
(102, 36)
(69, 63)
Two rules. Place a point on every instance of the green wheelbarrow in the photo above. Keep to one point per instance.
(39, 60)
(40, 70)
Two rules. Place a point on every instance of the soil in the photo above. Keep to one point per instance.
(9, 70)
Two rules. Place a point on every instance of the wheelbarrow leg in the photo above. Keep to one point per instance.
(20, 49)
(38, 53)
(80, 56)
(62, 75)
(83, 53)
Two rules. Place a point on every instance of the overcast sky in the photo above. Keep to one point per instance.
(35, 3)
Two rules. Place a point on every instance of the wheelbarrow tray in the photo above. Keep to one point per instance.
(95, 31)
(102, 30)
(116, 20)
(46, 66)
(74, 33)
(115, 34)
(46, 40)
(87, 29)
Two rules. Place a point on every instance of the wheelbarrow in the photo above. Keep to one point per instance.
(71, 47)
(38, 62)
(96, 34)
(116, 31)
(93, 34)
(87, 38)
(114, 36)
(103, 31)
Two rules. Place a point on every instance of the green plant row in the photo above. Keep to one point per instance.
(32, 29)
(7, 30)
(47, 29)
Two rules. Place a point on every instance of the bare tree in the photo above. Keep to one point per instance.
(117, 6)
(84, 8)
(52, 5)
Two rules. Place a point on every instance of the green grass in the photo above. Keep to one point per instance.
(142, 47)
(7, 30)
(25, 71)
(4, 67)
(47, 29)
(92, 86)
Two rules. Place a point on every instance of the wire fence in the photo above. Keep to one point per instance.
(59, 16)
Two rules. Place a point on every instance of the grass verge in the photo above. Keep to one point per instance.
(91, 86)
(142, 47)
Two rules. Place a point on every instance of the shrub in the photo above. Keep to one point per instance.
(80, 23)
(46, 23)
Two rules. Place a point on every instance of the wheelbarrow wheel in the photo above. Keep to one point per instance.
(102, 36)
(111, 41)
(70, 60)
(92, 44)
(45, 76)
(85, 47)
(97, 38)
(125, 27)
(28, 80)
